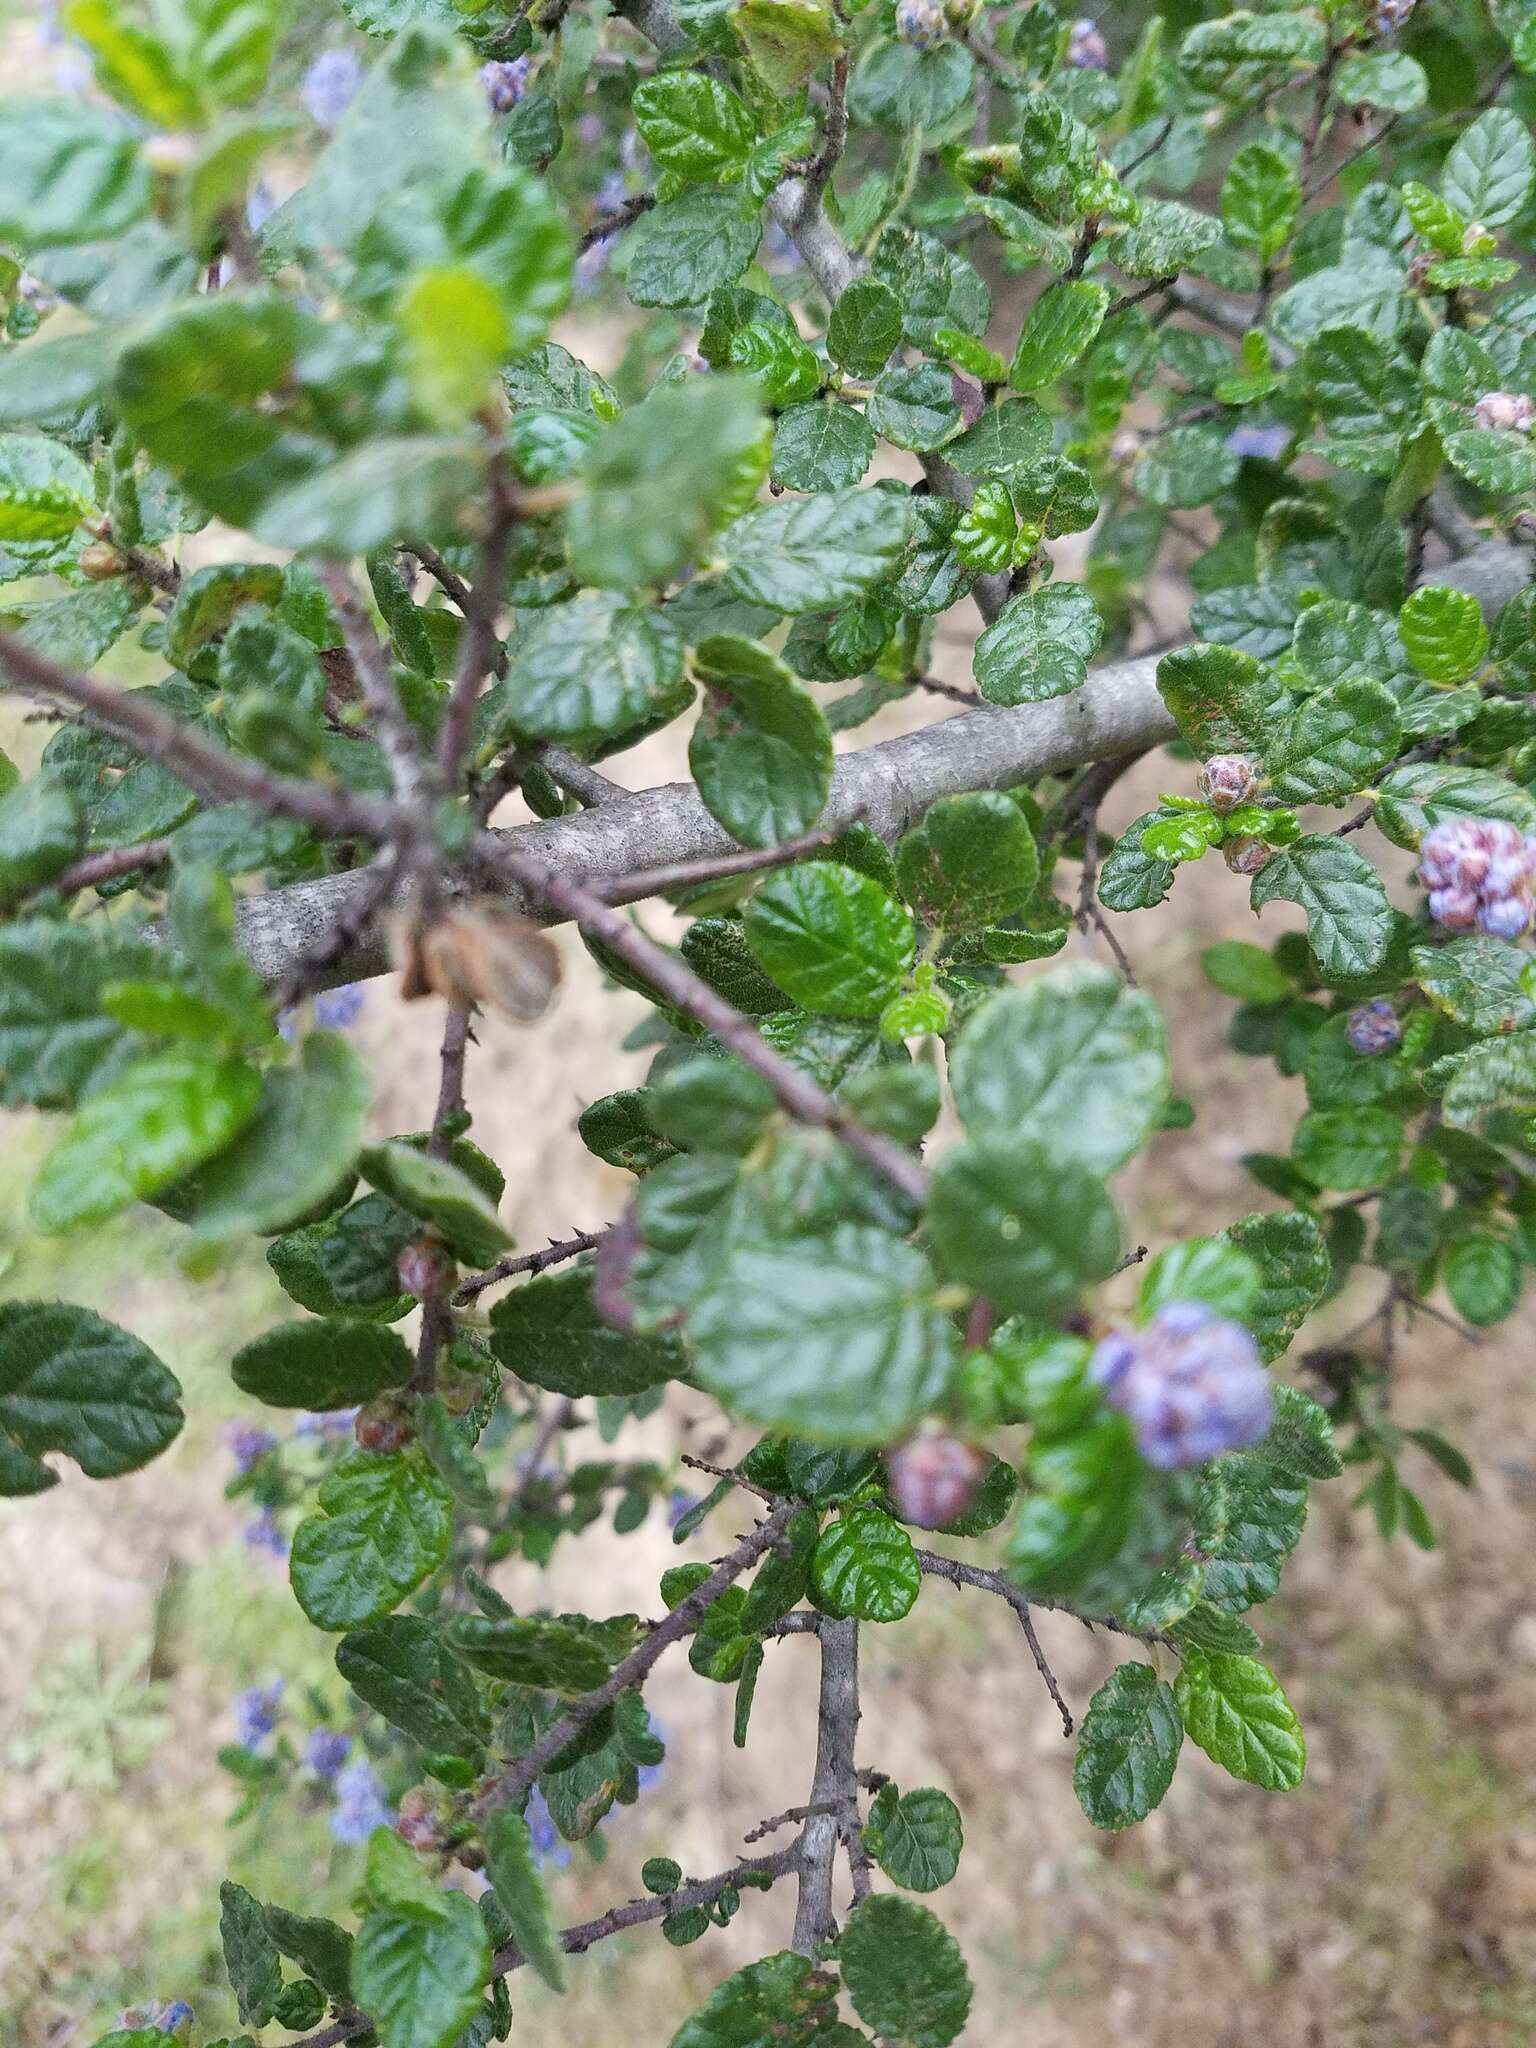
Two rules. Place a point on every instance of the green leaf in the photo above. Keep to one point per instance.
(1497, 461)
(694, 126)
(1202, 1269)
(1211, 1629)
(1039, 645)
(1490, 170)
(785, 2000)
(913, 406)
(1484, 1278)
(1024, 1226)
(159, 1119)
(441, 1196)
(761, 753)
(821, 446)
(1334, 743)
(1075, 1062)
(41, 831)
(56, 1041)
(1349, 920)
(971, 862)
(559, 1656)
(549, 1333)
(250, 1955)
(899, 87)
(1128, 1748)
(1383, 78)
(1062, 323)
(1168, 237)
(319, 1947)
(865, 328)
(917, 1839)
(1235, 1711)
(377, 493)
(1224, 701)
(591, 668)
(808, 554)
(1363, 387)
(1444, 634)
(1261, 1509)
(1260, 199)
(779, 362)
(520, 1893)
(831, 938)
(904, 1975)
(1300, 1439)
(786, 40)
(681, 250)
(71, 1382)
(1348, 1148)
(1246, 972)
(43, 380)
(711, 1105)
(383, 1523)
(1476, 983)
(419, 1974)
(297, 1147)
(404, 1670)
(45, 491)
(1368, 292)
(321, 1365)
(1007, 437)
(864, 1565)
(455, 335)
(68, 173)
(1187, 466)
(1292, 1260)
(836, 1338)
(661, 478)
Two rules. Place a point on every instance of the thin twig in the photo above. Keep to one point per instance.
(553, 1254)
(960, 1574)
(478, 644)
(94, 868)
(684, 1618)
(686, 874)
(577, 779)
(397, 737)
(790, 1813)
(613, 223)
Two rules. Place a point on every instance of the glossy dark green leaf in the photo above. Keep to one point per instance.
(864, 1565)
(72, 1382)
(903, 1973)
(1039, 645)
(382, 1523)
(328, 1363)
(549, 1333)
(831, 938)
(1128, 1747)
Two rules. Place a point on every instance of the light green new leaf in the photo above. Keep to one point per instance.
(1235, 1710)
(1260, 199)
(419, 1974)
(1443, 633)
(442, 1196)
(831, 938)
(1062, 323)
(694, 125)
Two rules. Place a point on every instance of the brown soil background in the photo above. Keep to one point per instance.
(1390, 1900)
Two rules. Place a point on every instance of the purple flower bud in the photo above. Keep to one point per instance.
(340, 1007)
(360, 1804)
(921, 23)
(247, 1442)
(1481, 875)
(546, 1842)
(263, 1532)
(1191, 1383)
(1510, 411)
(1086, 48)
(589, 130)
(1504, 917)
(256, 1712)
(174, 2017)
(330, 85)
(326, 1751)
(933, 1478)
(1228, 780)
(505, 83)
(679, 1504)
(1456, 909)
(1245, 856)
(1373, 1027)
(330, 1426)
(1391, 15)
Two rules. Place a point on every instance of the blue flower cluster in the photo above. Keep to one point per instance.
(360, 1804)
(256, 1713)
(1373, 1027)
(330, 85)
(1190, 1381)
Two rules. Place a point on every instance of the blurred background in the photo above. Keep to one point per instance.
(146, 1624)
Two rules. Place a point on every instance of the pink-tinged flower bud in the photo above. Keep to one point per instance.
(1191, 1383)
(1420, 263)
(933, 1478)
(1228, 780)
(1086, 48)
(1509, 410)
(1246, 856)
(417, 1826)
(1481, 876)
(383, 1425)
(425, 1269)
(1374, 1027)
(1456, 909)
(1504, 917)
(921, 23)
(505, 83)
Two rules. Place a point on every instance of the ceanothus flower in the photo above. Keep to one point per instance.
(1086, 48)
(505, 82)
(1481, 876)
(921, 23)
(256, 1713)
(330, 85)
(360, 1804)
(1510, 410)
(1264, 444)
(326, 1751)
(247, 1443)
(1374, 1027)
(1191, 1383)
(544, 1836)
(264, 1532)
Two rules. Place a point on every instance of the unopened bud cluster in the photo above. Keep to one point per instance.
(1228, 780)
(505, 82)
(922, 23)
(1191, 1383)
(1510, 411)
(1481, 876)
(933, 1479)
(1374, 1027)
(1086, 48)
(1246, 856)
